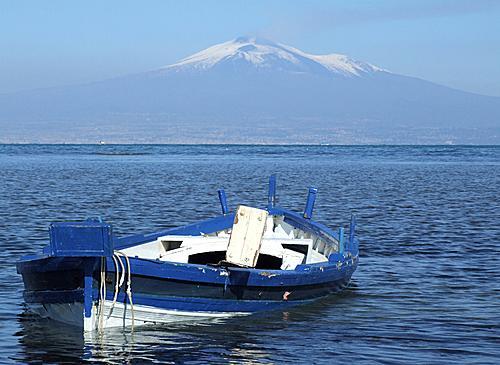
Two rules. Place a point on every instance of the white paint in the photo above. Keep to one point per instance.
(277, 233)
(144, 315)
(246, 236)
(120, 316)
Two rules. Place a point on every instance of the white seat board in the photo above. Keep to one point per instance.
(246, 236)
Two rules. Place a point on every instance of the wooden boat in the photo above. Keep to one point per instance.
(237, 263)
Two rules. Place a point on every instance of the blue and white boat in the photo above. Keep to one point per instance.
(237, 263)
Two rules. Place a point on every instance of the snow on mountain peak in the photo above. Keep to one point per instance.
(262, 53)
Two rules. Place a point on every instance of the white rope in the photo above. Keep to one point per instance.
(122, 278)
(129, 284)
(118, 281)
(102, 294)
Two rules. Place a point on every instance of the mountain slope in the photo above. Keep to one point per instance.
(258, 82)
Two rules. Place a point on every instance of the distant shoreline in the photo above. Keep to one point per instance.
(245, 144)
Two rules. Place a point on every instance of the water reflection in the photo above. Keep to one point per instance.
(233, 340)
(45, 341)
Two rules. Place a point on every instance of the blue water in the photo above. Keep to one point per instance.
(427, 289)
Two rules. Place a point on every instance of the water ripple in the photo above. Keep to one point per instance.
(427, 289)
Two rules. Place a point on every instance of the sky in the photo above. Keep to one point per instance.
(51, 43)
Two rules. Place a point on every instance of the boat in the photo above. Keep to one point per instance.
(237, 263)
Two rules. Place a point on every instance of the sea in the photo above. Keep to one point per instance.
(427, 289)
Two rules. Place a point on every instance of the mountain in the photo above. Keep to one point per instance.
(261, 54)
(254, 90)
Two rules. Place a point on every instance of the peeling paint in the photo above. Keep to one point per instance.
(267, 274)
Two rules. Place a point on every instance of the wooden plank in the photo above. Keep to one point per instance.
(246, 236)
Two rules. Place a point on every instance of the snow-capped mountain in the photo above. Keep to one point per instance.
(256, 90)
(264, 54)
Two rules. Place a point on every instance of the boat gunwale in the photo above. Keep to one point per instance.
(222, 222)
(304, 273)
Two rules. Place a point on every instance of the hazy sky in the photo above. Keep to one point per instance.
(48, 43)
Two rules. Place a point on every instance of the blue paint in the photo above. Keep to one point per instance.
(43, 263)
(87, 238)
(303, 274)
(352, 229)
(196, 229)
(223, 201)
(87, 290)
(188, 304)
(271, 196)
(311, 280)
(307, 225)
(209, 304)
(311, 198)
(54, 296)
(341, 240)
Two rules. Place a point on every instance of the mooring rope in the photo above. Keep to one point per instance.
(102, 293)
(118, 281)
(129, 283)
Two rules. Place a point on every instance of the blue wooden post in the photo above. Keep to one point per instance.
(311, 197)
(341, 240)
(352, 229)
(223, 201)
(271, 196)
(87, 290)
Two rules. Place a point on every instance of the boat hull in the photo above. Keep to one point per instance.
(164, 292)
(119, 315)
(64, 281)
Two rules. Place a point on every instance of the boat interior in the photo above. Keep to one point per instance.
(281, 246)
